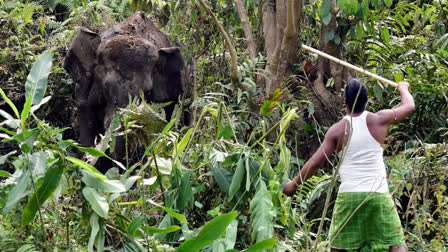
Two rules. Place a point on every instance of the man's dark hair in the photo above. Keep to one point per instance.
(351, 91)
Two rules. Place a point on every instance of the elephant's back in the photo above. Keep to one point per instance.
(138, 25)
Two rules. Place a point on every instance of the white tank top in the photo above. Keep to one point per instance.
(362, 169)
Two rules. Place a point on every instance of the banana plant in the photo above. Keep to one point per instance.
(43, 159)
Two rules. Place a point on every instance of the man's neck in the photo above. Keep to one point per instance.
(354, 114)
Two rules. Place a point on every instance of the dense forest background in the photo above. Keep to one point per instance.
(257, 107)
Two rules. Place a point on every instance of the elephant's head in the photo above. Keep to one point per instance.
(130, 58)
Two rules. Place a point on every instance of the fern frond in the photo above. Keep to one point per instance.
(262, 213)
(54, 25)
(68, 4)
(28, 248)
(313, 187)
(177, 115)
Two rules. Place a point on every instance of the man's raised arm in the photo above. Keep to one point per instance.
(390, 116)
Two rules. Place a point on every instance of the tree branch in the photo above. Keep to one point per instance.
(234, 70)
(251, 47)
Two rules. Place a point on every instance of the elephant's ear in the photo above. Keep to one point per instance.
(169, 50)
(171, 66)
(81, 55)
(81, 60)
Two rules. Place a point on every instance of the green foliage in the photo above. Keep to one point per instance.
(262, 214)
(233, 157)
(210, 232)
(49, 184)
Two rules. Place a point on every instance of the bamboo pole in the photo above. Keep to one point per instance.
(346, 64)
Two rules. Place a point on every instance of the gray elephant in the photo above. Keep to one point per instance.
(129, 58)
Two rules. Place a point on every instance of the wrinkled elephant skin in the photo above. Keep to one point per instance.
(129, 58)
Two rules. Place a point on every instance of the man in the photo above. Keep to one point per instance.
(364, 215)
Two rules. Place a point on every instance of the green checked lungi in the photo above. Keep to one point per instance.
(366, 221)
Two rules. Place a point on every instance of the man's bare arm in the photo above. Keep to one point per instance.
(324, 152)
(390, 116)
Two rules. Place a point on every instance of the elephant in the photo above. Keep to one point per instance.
(126, 60)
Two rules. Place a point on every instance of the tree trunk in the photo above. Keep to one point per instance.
(251, 47)
(327, 69)
(287, 18)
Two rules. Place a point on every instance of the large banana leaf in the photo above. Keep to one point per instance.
(50, 183)
(210, 232)
(262, 213)
(36, 82)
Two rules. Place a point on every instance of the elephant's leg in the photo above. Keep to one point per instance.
(87, 126)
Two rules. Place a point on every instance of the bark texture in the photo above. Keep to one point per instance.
(284, 54)
(251, 47)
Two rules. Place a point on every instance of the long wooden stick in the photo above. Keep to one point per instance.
(358, 69)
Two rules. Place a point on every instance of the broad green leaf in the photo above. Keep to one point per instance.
(165, 165)
(50, 183)
(286, 119)
(36, 82)
(112, 186)
(10, 121)
(388, 3)
(353, 7)
(248, 173)
(237, 178)
(185, 191)
(26, 139)
(135, 225)
(262, 214)
(377, 91)
(92, 151)
(37, 106)
(11, 133)
(272, 102)
(376, 4)
(130, 182)
(174, 214)
(359, 31)
(329, 35)
(27, 248)
(398, 76)
(5, 157)
(168, 127)
(211, 231)
(341, 4)
(18, 192)
(155, 230)
(222, 176)
(337, 41)
(97, 201)
(5, 174)
(325, 8)
(180, 147)
(165, 223)
(365, 9)
(262, 245)
(326, 20)
(101, 236)
(95, 228)
(228, 241)
(87, 167)
(25, 111)
(385, 34)
(226, 132)
(150, 181)
(38, 162)
(9, 102)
